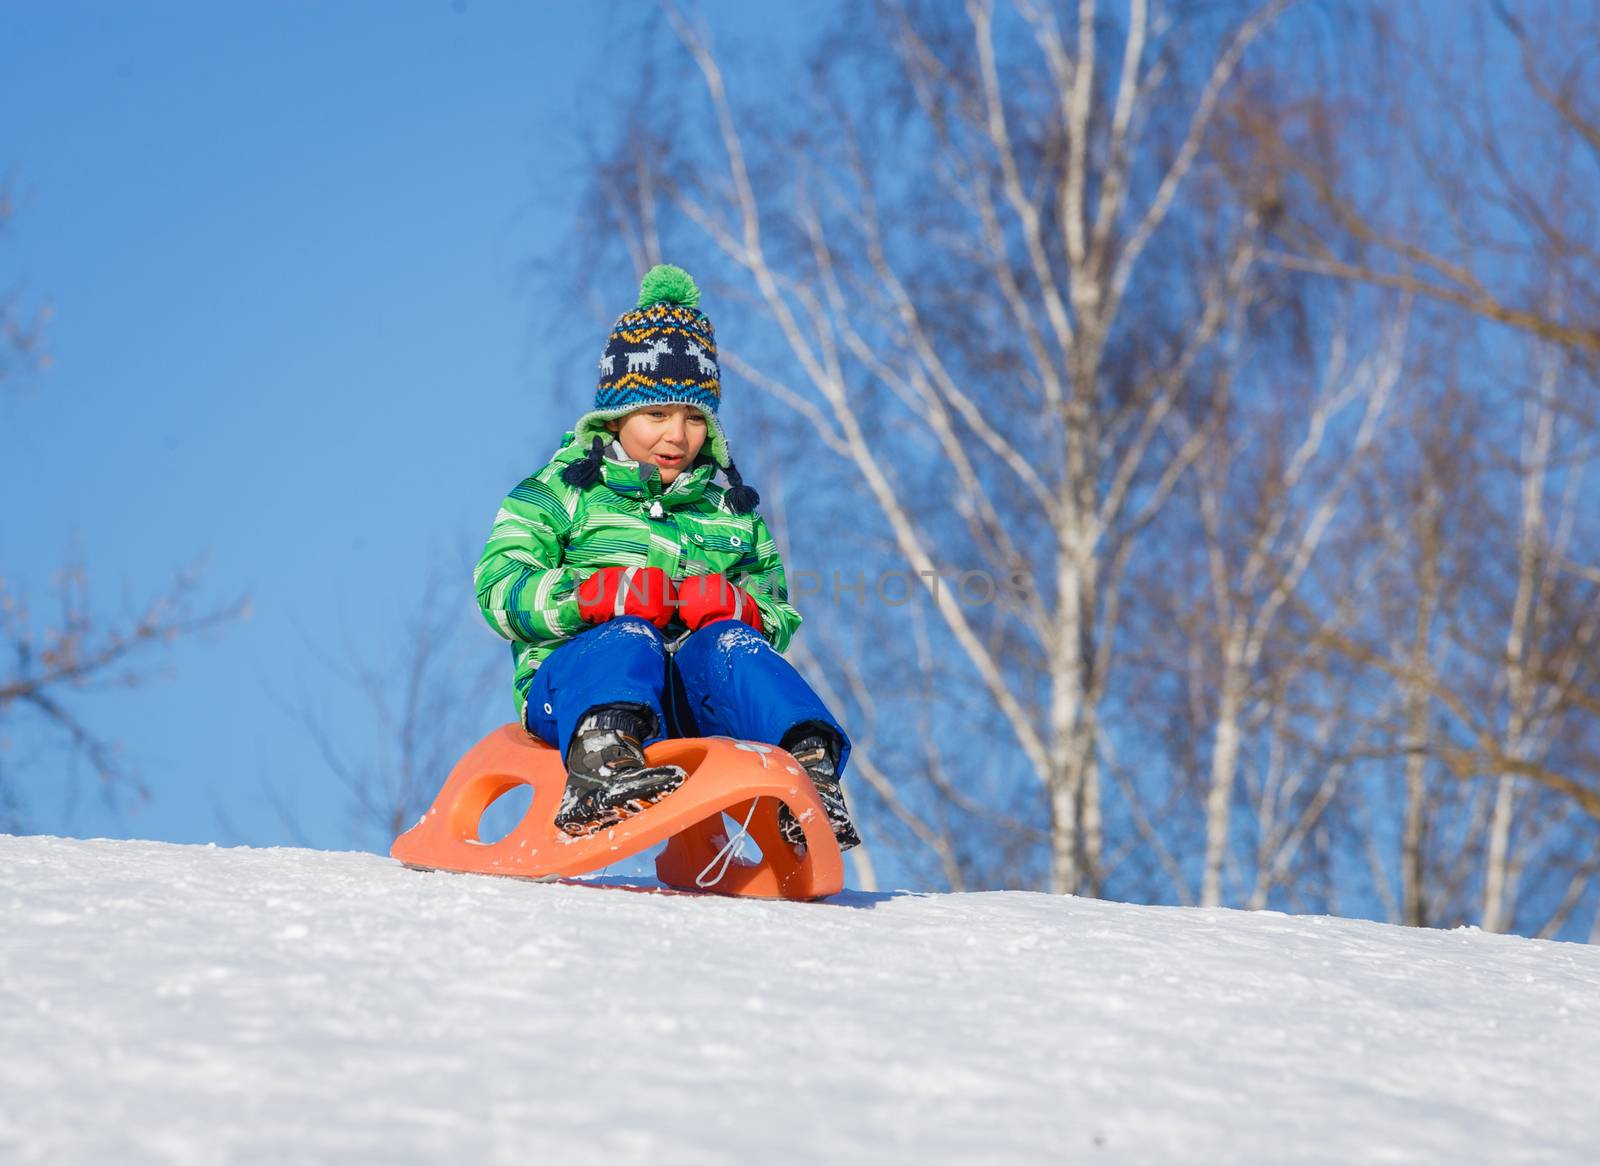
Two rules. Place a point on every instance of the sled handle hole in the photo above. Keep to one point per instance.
(467, 812)
(505, 813)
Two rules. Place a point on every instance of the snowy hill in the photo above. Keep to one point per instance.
(189, 1004)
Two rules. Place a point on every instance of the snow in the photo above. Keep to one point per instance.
(739, 638)
(186, 1004)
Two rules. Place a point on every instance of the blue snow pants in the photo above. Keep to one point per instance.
(724, 680)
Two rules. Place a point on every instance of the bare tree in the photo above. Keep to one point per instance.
(1499, 129)
(1266, 499)
(1487, 638)
(958, 251)
(429, 689)
(79, 650)
(1490, 143)
(1481, 707)
(22, 343)
(1030, 318)
(47, 669)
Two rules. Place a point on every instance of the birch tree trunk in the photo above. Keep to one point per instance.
(1254, 575)
(1499, 877)
(1413, 837)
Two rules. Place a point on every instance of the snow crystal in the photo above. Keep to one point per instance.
(633, 627)
(741, 637)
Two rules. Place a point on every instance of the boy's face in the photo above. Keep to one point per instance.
(668, 437)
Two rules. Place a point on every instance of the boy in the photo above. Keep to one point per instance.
(641, 599)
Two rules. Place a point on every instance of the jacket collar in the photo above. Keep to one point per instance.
(643, 481)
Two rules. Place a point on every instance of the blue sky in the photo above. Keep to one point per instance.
(283, 246)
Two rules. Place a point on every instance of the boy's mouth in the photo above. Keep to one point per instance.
(668, 459)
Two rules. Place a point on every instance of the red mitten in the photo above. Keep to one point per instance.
(612, 591)
(704, 598)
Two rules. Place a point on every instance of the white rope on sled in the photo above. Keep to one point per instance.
(731, 850)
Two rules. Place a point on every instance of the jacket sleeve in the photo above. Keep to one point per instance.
(524, 591)
(761, 574)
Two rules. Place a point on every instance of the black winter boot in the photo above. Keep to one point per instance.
(817, 751)
(607, 778)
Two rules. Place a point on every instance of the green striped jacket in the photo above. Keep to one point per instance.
(549, 537)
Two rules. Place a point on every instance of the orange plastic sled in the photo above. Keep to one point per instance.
(744, 779)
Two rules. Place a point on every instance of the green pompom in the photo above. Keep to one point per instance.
(665, 283)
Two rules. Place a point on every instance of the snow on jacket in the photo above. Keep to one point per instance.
(550, 536)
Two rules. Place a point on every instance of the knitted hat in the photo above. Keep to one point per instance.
(661, 352)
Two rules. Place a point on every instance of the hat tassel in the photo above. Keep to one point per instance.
(585, 472)
(742, 499)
